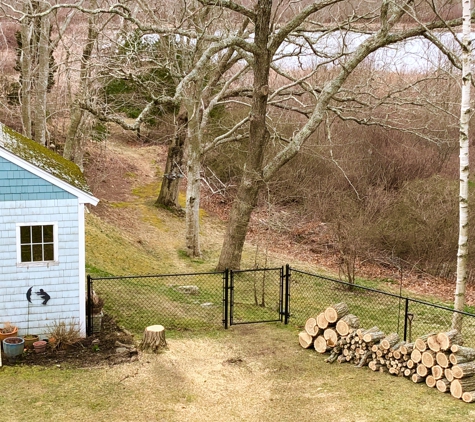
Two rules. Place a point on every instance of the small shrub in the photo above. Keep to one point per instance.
(62, 334)
(8, 328)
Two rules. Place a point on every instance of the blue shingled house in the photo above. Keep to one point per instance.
(42, 236)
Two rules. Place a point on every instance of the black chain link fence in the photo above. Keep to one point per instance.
(206, 301)
(176, 301)
(409, 317)
(256, 296)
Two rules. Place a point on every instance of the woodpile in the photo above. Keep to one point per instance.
(437, 359)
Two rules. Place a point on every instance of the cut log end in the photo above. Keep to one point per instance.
(335, 312)
(305, 339)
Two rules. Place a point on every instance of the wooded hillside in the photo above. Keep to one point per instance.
(348, 152)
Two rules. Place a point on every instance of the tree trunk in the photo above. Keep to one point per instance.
(416, 355)
(73, 147)
(41, 86)
(416, 378)
(421, 342)
(193, 185)
(465, 112)
(153, 338)
(252, 180)
(422, 370)
(448, 374)
(26, 64)
(168, 196)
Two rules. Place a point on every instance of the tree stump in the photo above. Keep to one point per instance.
(153, 338)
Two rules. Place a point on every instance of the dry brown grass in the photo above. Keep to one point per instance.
(250, 373)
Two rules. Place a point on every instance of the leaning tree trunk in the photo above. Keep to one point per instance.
(462, 253)
(251, 182)
(168, 196)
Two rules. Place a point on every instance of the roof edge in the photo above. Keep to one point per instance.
(84, 197)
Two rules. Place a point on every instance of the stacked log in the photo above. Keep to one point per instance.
(437, 359)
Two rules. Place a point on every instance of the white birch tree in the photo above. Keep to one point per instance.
(465, 113)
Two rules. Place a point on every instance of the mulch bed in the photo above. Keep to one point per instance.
(111, 346)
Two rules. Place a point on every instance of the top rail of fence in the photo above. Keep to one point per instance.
(124, 277)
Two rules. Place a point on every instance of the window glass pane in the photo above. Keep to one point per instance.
(25, 253)
(37, 236)
(25, 234)
(49, 252)
(47, 234)
(37, 253)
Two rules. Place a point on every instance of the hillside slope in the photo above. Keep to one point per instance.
(127, 234)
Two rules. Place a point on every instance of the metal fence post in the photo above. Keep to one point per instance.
(226, 298)
(89, 306)
(281, 294)
(231, 297)
(406, 317)
(287, 295)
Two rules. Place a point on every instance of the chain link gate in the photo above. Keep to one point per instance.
(253, 296)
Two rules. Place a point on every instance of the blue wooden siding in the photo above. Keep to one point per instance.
(18, 184)
(60, 281)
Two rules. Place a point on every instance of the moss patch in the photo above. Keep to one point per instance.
(42, 157)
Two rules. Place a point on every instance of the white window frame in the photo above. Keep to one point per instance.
(55, 261)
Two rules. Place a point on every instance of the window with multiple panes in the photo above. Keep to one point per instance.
(36, 243)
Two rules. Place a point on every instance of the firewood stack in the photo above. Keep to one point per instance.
(437, 359)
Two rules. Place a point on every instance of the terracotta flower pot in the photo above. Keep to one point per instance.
(3, 336)
(39, 346)
(29, 340)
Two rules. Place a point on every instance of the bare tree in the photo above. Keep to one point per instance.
(35, 62)
(381, 28)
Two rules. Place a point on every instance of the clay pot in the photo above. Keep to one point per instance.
(13, 347)
(40, 346)
(29, 340)
(3, 336)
